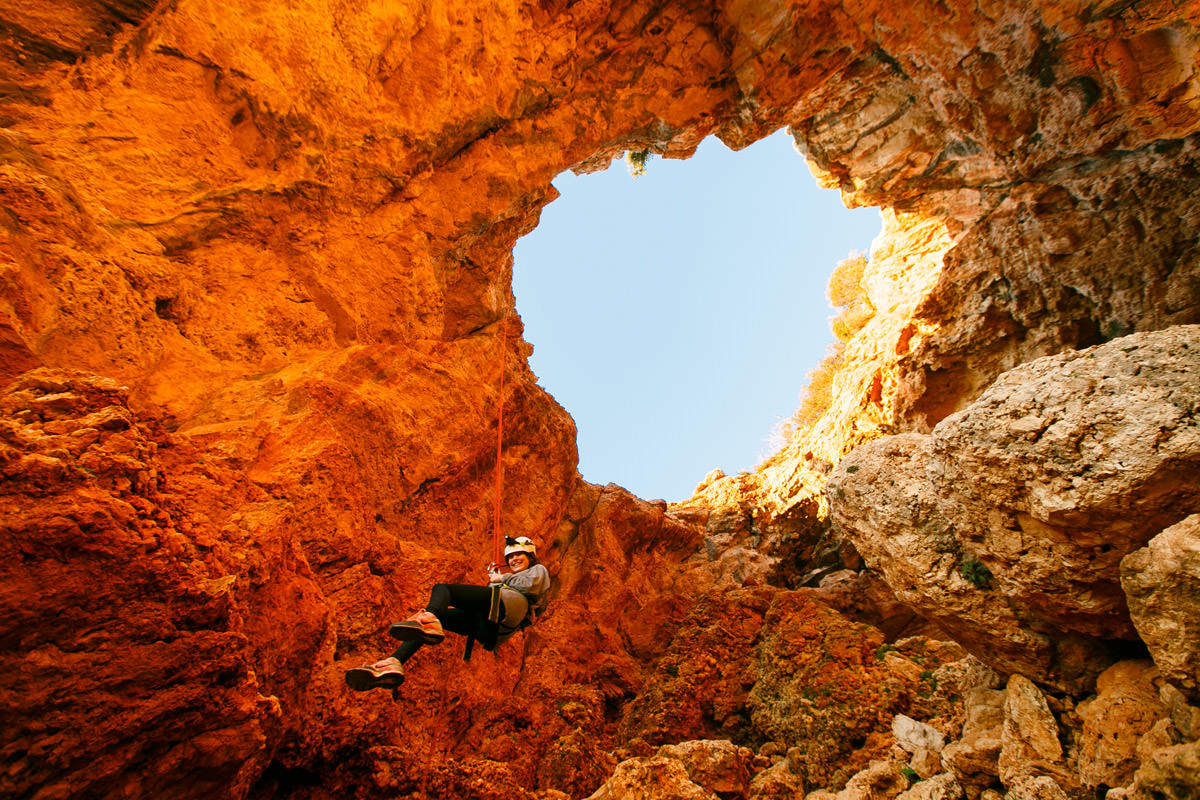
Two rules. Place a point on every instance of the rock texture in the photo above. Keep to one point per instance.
(1007, 524)
(255, 301)
(1162, 582)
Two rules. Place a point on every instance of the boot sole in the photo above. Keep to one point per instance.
(361, 679)
(411, 633)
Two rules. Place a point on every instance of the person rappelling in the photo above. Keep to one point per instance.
(488, 614)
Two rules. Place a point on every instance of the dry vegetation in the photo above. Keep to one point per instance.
(846, 293)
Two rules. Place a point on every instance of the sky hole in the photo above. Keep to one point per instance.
(676, 315)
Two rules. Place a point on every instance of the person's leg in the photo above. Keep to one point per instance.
(463, 596)
(455, 607)
(406, 650)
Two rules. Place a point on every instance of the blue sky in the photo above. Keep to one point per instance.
(676, 315)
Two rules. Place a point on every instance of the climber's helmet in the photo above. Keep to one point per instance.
(521, 544)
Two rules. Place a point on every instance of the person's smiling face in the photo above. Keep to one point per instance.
(518, 561)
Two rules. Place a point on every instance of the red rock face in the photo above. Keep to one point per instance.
(253, 262)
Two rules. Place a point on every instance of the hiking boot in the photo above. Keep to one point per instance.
(420, 627)
(385, 674)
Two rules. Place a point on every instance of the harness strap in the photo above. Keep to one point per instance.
(495, 606)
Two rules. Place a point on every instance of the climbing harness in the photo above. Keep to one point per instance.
(536, 606)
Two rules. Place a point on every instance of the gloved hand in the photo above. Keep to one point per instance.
(494, 575)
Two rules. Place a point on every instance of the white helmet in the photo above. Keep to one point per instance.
(521, 544)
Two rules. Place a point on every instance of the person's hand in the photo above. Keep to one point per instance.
(494, 575)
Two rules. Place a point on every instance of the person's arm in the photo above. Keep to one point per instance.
(535, 580)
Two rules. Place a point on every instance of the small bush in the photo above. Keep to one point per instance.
(846, 292)
(845, 283)
(976, 572)
(636, 159)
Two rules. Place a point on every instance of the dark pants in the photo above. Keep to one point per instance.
(462, 608)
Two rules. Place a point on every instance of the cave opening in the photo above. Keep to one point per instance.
(676, 314)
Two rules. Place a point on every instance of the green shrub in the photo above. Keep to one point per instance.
(976, 572)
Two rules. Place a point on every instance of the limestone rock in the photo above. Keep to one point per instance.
(657, 778)
(777, 782)
(156, 633)
(1127, 705)
(1171, 772)
(974, 759)
(1184, 716)
(863, 596)
(914, 736)
(717, 765)
(1031, 736)
(1035, 787)
(823, 686)
(881, 780)
(926, 763)
(936, 787)
(287, 227)
(1162, 584)
(1005, 534)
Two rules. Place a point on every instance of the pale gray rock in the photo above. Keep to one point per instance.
(1006, 526)
(913, 735)
(1162, 584)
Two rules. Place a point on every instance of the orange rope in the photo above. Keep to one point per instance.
(497, 536)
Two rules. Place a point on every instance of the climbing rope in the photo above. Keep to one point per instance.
(497, 534)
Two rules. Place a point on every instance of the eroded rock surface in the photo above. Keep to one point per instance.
(1008, 523)
(1162, 582)
(287, 229)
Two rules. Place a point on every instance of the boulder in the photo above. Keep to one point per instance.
(718, 765)
(925, 763)
(654, 778)
(1034, 787)
(1170, 773)
(973, 760)
(914, 736)
(1125, 708)
(777, 782)
(1162, 585)
(1030, 741)
(937, 787)
(882, 780)
(1007, 524)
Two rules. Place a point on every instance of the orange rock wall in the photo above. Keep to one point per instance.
(286, 230)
